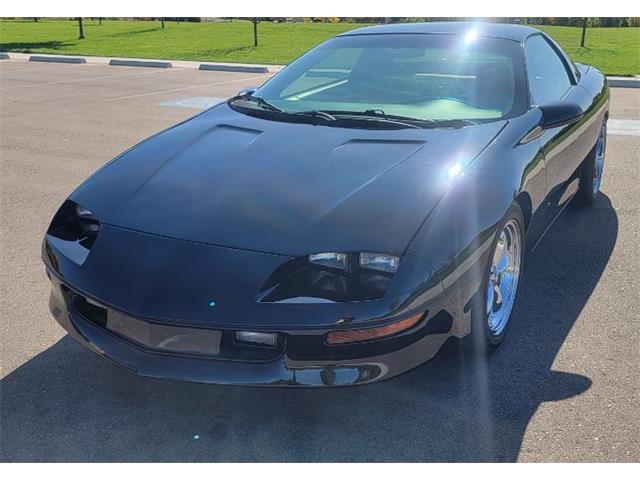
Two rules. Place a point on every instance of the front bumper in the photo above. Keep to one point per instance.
(300, 362)
(163, 285)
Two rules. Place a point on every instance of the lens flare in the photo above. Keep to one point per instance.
(454, 170)
(471, 36)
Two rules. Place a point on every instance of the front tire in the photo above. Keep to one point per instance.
(496, 298)
(592, 169)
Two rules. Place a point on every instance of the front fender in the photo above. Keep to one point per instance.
(462, 224)
(457, 236)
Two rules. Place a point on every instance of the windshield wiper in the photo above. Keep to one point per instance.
(453, 123)
(261, 102)
(378, 112)
(317, 113)
(380, 116)
(456, 123)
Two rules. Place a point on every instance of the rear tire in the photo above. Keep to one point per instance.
(592, 170)
(492, 309)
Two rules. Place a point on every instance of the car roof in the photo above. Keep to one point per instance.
(498, 30)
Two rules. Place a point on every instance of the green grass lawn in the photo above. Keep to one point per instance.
(213, 41)
(616, 51)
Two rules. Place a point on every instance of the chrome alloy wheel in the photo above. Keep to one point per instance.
(503, 277)
(601, 145)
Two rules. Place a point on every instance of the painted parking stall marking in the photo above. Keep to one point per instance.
(201, 103)
(623, 127)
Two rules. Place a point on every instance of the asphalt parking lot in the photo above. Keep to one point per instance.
(565, 386)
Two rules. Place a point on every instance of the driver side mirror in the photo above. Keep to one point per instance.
(559, 113)
(247, 91)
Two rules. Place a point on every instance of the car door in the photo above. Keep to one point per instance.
(551, 78)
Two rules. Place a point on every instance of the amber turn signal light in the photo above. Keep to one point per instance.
(350, 336)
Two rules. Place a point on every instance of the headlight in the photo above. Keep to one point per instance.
(84, 212)
(333, 276)
(73, 231)
(88, 226)
(332, 260)
(380, 262)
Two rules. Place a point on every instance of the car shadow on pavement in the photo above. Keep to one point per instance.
(67, 404)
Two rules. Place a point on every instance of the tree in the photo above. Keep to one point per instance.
(584, 31)
(255, 22)
(162, 21)
(81, 36)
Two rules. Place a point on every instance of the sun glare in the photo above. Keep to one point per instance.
(471, 36)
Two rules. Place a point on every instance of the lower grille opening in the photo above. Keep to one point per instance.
(174, 339)
(90, 311)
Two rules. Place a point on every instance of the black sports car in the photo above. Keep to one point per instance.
(338, 224)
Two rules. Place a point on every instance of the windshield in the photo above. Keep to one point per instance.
(415, 76)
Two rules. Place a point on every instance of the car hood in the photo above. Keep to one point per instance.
(229, 179)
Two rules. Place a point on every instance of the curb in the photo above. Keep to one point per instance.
(51, 59)
(159, 63)
(139, 63)
(624, 82)
(232, 68)
(614, 81)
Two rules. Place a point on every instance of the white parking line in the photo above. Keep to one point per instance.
(87, 79)
(623, 127)
(126, 97)
(32, 66)
(201, 103)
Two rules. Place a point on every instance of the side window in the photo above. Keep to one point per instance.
(548, 77)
